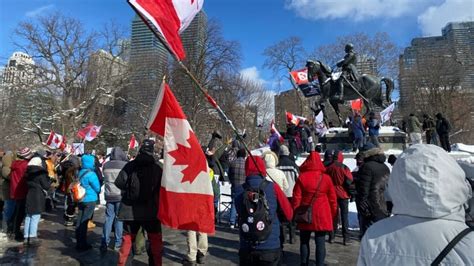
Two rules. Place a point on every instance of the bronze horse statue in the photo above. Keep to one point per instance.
(369, 88)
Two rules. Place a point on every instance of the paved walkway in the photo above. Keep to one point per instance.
(58, 247)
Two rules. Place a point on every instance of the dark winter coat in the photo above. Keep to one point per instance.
(325, 203)
(429, 124)
(38, 183)
(276, 199)
(372, 180)
(18, 187)
(149, 173)
(443, 126)
(111, 170)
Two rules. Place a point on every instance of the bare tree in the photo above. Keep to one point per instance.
(284, 57)
(379, 47)
(436, 87)
(72, 78)
(210, 58)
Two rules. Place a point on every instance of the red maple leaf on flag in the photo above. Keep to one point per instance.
(193, 157)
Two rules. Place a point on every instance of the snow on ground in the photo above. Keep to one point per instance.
(463, 148)
(382, 130)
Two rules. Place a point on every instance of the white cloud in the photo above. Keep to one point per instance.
(353, 10)
(252, 73)
(436, 17)
(38, 11)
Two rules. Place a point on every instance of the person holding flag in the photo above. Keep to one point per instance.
(275, 139)
(139, 182)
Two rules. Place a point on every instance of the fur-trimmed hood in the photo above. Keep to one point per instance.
(374, 154)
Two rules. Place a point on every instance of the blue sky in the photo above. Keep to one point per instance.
(257, 24)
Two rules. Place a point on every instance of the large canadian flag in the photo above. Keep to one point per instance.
(170, 17)
(186, 195)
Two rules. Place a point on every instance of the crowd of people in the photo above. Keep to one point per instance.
(406, 215)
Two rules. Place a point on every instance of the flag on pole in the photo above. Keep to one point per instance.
(89, 133)
(357, 104)
(56, 141)
(186, 196)
(133, 142)
(300, 76)
(274, 129)
(320, 127)
(170, 17)
(386, 114)
(294, 119)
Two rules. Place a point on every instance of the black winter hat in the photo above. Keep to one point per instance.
(148, 147)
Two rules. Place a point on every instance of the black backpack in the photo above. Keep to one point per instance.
(138, 190)
(254, 218)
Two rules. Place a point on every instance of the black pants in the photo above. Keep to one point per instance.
(444, 139)
(19, 216)
(319, 238)
(429, 135)
(343, 210)
(69, 208)
(270, 257)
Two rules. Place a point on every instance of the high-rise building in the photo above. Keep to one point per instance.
(453, 49)
(17, 74)
(148, 64)
(438, 73)
(194, 36)
(19, 69)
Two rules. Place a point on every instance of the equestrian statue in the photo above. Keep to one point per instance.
(338, 87)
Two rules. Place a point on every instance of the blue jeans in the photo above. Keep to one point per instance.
(31, 225)
(111, 212)
(86, 210)
(233, 210)
(319, 238)
(8, 211)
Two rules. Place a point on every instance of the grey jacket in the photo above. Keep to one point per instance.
(111, 170)
(428, 191)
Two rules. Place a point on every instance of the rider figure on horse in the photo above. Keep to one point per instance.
(349, 70)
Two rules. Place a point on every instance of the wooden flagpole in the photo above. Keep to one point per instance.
(200, 87)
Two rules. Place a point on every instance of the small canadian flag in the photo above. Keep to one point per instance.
(56, 141)
(133, 142)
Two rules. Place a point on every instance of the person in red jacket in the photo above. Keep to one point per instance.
(341, 178)
(19, 189)
(314, 182)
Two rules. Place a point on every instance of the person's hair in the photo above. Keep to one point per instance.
(241, 153)
(391, 159)
(412, 114)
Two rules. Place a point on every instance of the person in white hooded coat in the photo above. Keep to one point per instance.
(274, 174)
(428, 190)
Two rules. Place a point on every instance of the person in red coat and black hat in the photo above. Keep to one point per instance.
(313, 182)
(341, 178)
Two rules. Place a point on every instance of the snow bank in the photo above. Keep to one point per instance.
(463, 147)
